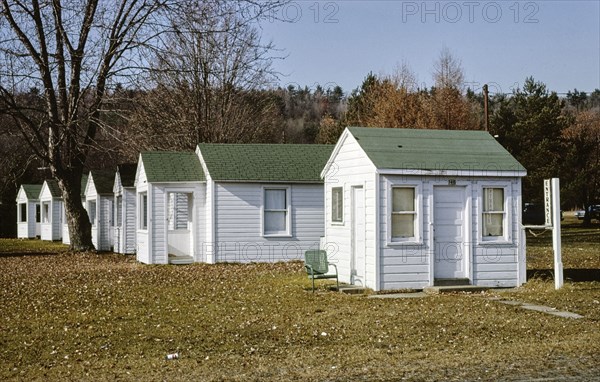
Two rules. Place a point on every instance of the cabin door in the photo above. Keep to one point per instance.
(449, 233)
(357, 266)
(179, 223)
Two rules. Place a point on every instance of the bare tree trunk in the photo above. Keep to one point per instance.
(80, 229)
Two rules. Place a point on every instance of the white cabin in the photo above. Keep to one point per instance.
(230, 203)
(28, 211)
(264, 202)
(66, 239)
(414, 208)
(99, 198)
(125, 209)
(51, 207)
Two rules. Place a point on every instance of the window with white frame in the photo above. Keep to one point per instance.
(143, 203)
(46, 212)
(92, 212)
(493, 212)
(276, 214)
(119, 210)
(404, 214)
(38, 214)
(22, 212)
(178, 210)
(337, 204)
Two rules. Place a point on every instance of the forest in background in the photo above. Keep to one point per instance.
(210, 78)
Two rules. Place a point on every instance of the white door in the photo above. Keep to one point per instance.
(358, 237)
(449, 232)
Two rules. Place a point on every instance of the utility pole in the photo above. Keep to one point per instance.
(485, 107)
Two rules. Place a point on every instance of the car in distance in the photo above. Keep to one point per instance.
(594, 211)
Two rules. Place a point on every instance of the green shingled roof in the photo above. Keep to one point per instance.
(418, 149)
(103, 181)
(127, 174)
(168, 166)
(54, 189)
(32, 191)
(265, 162)
(84, 178)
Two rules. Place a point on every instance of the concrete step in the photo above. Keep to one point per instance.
(349, 289)
(454, 289)
(451, 282)
(180, 260)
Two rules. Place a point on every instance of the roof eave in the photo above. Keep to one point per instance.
(320, 181)
(465, 173)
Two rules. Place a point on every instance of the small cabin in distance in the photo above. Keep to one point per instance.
(51, 206)
(99, 198)
(28, 211)
(125, 208)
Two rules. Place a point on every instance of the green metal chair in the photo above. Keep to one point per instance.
(317, 267)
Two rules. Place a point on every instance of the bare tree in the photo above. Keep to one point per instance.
(448, 71)
(205, 84)
(76, 51)
(73, 50)
(450, 109)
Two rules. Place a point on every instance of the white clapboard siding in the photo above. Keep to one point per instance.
(157, 225)
(29, 228)
(411, 263)
(142, 236)
(129, 214)
(238, 228)
(350, 168)
(104, 205)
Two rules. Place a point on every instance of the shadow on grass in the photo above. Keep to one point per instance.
(573, 274)
(27, 254)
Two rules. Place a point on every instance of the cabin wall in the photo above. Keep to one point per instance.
(104, 223)
(52, 229)
(128, 223)
(238, 220)
(29, 228)
(351, 168)
(405, 266)
(489, 263)
(497, 264)
(141, 235)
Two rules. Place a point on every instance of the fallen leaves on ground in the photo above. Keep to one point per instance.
(104, 316)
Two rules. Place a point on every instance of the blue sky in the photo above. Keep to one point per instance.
(498, 42)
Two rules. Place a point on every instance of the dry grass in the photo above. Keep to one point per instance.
(99, 317)
(580, 247)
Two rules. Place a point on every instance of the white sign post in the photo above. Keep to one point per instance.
(556, 244)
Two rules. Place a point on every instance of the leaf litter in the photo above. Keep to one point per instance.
(104, 316)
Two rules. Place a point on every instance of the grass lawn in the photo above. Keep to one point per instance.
(103, 316)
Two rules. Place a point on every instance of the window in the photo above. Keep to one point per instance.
(92, 212)
(337, 204)
(276, 212)
(178, 210)
(119, 210)
(143, 210)
(493, 212)
(404, 214)
(38, 213)
(22, 212)
(46, 212)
